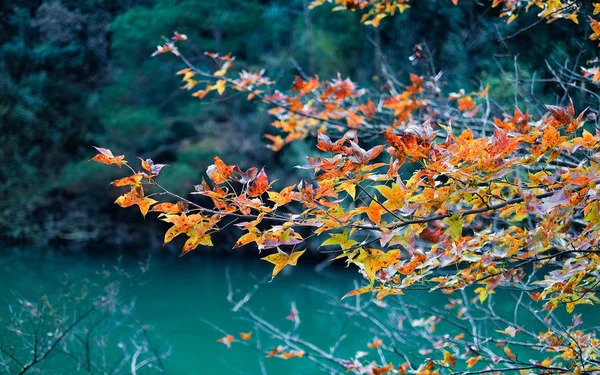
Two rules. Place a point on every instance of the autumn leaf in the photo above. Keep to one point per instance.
(105, 156)
(245, 335)
(220, 86)
(382, 370)
(355, 292)
(455, 224)
(340, 239)
(275, 351)
(449, 359)
(170, 208)
(179, 37)
(281, 259)
(227, 340)
(219, 172)
(509, 354)
(260, 185)
(197, 237)
(131, 198)
(465, 103)
(283, 197)
(149, 166)
(472, 361)
(375, 260)
(245, 239)
(292, 354)
(510, 331)
(375, 344)
(134, 180)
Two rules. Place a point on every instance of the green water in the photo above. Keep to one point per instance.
(185, 302)
(177, 295)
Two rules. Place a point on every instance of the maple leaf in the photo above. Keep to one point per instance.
(219, 172)
(341, 239)
(283, 197)
(394, 195)
(220, 86)
(382, 370)
(227, 340)
(245, 239)
(179, 37)
(170, 208)
(260, 184)
(324, 143)
(291, 354)
(281, 259)
(510, 331)
(149, 166)
(106, 156)
(455, 224)
(355, 292)
(509, 353)
(305, 87)
(375, 260)
(472, 361)
(595, 25)
(551, 137)
(133, 180)
(431, 235)
(198, 237)
(275, 351)
(132, 198)
(465, 103)
(375, 344)
(409, 145)
(449, 359)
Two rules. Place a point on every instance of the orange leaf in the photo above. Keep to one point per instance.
(227, 340)
(260, 185)
(134, 180)
(275, 351)
(375, 344)
(105, 156)
(246, 335)
(219, 172)
(168, 208)
(382, 370)
(465, 103)
(291, 354)
(472, 361)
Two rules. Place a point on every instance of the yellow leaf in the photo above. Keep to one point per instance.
(375, 261)
(220, 86)
(340, 239)
(281, 259)
(449, 359)
(455, 226)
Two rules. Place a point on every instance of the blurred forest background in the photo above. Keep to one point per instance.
(74, 74)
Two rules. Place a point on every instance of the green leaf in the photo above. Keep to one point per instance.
(455, 224)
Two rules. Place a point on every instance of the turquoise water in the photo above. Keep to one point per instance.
(185, 301)
(178, 296)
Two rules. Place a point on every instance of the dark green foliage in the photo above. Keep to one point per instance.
(78, 73)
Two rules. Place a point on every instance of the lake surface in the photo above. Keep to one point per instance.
(178, 296)
(185, 302)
